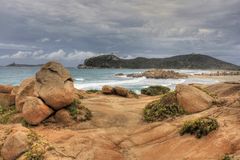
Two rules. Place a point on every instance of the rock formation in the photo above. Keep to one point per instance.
(50, 90)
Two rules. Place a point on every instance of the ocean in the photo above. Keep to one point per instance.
(96, 78)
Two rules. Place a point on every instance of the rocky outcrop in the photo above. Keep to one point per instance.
(158, 74)
(34, 111)
(192, 99)
(50, 90)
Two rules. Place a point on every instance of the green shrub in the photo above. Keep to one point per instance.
(227, 157)
(6, 113)
(161, 109)
(37, 147)
(155, 90)
(79, 112)
(93, 91)
(199, 127)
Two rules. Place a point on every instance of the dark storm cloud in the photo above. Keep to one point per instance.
(56, 29)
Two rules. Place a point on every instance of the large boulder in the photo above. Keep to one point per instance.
(6, 99)
(107, 89)
(15, 145)
(121, 91)
(35, 111)
(6, 88)
(25, 89)
(55, 85)
(192, 99)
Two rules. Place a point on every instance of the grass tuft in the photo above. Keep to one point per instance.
(162, 109)
(79, 112)
(155, 90)
(6, 114)
(199, 127)
(93, 91)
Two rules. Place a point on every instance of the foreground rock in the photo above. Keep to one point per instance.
(16, 144)
(50, 90)
(6, 88)
(117, 131)
(25, 89)
(6, 100)
(35, 111)
(192, 99)
(54, 85)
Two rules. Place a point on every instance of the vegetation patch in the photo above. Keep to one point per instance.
(162, 109)
(155, 90)
(93, 91)
(79, 112)
(38, 147)
(6, 113)
(228, 157)
(199, 127)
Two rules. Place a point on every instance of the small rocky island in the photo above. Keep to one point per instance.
(156, 74)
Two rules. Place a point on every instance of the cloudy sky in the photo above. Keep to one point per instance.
(69, 31)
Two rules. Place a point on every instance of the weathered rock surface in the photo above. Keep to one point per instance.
(55, 85)
(107, 89)
(35, 111)
(6, 99)
(64, 117)
(6, 88)
(15, 144)
(25, 89)
(192, 99)
(121, 91)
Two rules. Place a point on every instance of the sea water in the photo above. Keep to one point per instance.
(96, 78)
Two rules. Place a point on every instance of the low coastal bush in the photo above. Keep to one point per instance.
(93, 91)
(161, 109)
(6, 113)
(228, 157)
(79, 112)
(199, 127)
(37, 148)
(155, 90)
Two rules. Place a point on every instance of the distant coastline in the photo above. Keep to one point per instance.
(23, 65)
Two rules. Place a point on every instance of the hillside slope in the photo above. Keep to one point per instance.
(190, 61)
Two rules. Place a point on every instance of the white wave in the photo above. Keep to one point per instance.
(111, 83)
(121, 76)
(79, 79)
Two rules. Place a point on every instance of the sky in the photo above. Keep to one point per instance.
(35, 32)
